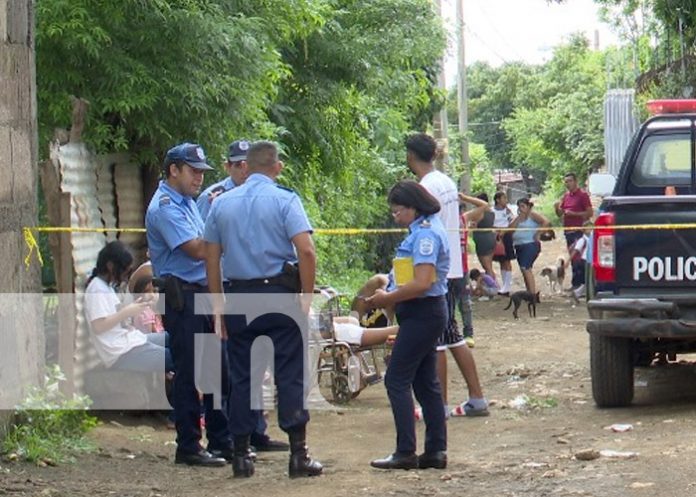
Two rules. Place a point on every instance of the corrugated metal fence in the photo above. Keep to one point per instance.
(105, 192)
(620, 123)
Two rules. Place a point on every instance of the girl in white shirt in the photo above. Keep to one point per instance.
(119, 345)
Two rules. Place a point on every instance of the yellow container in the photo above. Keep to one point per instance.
(404, 271)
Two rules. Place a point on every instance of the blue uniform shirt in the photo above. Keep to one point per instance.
(254, 224)
(427, 243)
(172, 220)
(204, 201)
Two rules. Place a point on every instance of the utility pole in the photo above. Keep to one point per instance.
(440, 121)
(462, 101)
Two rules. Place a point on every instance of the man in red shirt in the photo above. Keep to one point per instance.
(574, 208)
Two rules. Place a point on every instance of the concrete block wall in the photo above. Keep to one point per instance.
(21, 327)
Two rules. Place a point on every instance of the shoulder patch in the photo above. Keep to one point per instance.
(426, 246)
(217, 191)
(165, 200)
(285, 188)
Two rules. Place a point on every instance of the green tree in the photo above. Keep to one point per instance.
(337, 82)
(155, 73)
(493, 94)
(562, 129)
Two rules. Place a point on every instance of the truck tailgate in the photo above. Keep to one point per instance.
(653, 258)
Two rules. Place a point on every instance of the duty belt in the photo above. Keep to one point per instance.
(272, 281)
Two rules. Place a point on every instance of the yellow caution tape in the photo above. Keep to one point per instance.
(33, 246)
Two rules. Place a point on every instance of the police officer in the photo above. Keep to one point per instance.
(174, 236)
(238, 171)
(417, 287)
(261, 228)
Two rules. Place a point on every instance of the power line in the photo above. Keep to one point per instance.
(485, 123)
(472, 32)
(495, 30)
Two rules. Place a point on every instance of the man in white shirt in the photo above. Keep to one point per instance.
(421, 150)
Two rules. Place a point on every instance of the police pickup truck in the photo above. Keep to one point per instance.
(642, 281)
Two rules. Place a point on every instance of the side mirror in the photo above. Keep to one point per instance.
(601, 184)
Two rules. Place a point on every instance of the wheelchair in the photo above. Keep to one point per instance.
(343, 369)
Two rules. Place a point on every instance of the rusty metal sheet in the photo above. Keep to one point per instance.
(129, 198)
(105, 194)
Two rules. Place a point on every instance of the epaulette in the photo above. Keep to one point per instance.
(165, 200)
(285, 188)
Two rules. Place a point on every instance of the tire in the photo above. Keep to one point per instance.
(611, 366)
(339, 389)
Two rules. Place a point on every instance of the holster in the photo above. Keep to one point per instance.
(290, 277)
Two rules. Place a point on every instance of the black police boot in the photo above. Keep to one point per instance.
(242, 465)
(301, 464)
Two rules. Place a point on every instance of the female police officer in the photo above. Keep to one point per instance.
(417, 287)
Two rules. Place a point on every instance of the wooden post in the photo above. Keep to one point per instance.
(58, 213)
(65, 280)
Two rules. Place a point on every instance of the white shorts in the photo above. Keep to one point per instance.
(348, 332)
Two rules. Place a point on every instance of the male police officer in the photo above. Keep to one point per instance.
(237, 170)
(174, 236)
(262, 230)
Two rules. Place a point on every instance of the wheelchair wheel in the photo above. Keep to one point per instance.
(339, 389)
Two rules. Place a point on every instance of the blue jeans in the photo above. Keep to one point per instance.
(152, 356)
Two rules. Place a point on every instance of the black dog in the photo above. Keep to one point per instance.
(517, 298)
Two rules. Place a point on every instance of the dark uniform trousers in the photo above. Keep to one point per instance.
(413, 364)
(288, 354)
(182, 327)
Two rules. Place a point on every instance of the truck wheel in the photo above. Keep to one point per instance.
(611, 366)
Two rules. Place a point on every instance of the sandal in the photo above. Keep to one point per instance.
(467, 409)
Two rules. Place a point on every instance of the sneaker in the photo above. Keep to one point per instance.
(579, 292)
(469, 410)
(470, 342)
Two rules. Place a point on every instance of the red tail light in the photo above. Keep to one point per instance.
(603, 253)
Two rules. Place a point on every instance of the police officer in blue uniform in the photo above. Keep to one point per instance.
(263, 233)
(174, 236)
(418, 286)
(237, 170)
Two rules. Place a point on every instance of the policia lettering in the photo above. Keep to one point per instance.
(665, 268)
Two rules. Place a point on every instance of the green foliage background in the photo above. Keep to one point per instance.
(338, 83)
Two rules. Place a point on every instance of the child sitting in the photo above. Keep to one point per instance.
(485, 285)
(578, 260)
(147, 321)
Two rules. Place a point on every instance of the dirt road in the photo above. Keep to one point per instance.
(534, 370)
